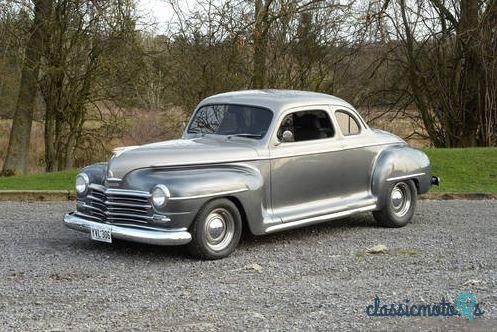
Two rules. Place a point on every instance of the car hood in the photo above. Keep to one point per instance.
(179, 152)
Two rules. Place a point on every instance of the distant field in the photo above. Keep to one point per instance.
(461, 170)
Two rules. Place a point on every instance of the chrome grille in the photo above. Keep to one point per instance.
(117, 205)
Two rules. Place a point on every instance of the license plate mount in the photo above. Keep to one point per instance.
(102, 233)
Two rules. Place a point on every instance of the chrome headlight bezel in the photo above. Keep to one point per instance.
(84, 182)
(160, 196)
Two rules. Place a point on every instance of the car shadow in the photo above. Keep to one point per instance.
(129, 249)
(364, 220)
(248, 240)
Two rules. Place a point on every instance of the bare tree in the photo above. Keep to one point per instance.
(446, 51)
(85, 40)
(17, 151)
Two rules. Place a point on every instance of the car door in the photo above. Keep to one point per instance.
(358, 152)
(305, 172)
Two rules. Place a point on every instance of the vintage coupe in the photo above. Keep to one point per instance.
(263, 161)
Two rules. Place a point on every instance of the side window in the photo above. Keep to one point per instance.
(306, 126)
(348, 124)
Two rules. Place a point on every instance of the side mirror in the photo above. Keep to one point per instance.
(287, 136)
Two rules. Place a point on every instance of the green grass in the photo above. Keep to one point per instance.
(465, 170)
(360, 254)
(461, 170)
(42, 181)
(409, 252)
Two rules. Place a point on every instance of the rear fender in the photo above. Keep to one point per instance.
(396, 163)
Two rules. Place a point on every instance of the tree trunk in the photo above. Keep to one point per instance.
(71, 145)
(18, 148)
(52, 95)
(472, 104)
(50, 156)
(260, 36)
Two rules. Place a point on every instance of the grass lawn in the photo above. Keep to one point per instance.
(461, 170)
(465, 170)
(42, 181)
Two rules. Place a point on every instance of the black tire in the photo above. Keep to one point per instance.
(216, 230)
(397, 212)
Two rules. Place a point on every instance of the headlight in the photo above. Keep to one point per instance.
(160, 194)
(82, 182)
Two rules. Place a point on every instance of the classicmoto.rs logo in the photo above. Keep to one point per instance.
(465, 305)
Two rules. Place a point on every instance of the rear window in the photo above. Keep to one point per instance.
(348, 124)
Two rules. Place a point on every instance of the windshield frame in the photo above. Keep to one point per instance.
(187, 132)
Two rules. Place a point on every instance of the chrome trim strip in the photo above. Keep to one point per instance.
(321, 151)
(145, 227)
(125, 192)
(138, 200)
(113, 179)
(122, 192)
(325, 150)
(144, 194)
(96, 199)
(315, 220)
(112, 220)
(405, 177)
(128, 215)
(165, 237)
(111, 210)
(116, 205)
(86, 206)
(97, 187)
(207, 195)
(84, 215)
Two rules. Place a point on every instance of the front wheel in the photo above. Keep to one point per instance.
(216, 230)
(399, 203)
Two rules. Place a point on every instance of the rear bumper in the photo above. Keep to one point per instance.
(435, 181)
(157, 237)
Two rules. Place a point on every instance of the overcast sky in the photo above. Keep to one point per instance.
(160, 11)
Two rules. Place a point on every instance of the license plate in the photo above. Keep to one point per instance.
(101, 233)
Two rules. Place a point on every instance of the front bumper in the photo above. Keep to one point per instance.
(158, 237)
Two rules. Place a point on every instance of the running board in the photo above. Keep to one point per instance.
(317, 220)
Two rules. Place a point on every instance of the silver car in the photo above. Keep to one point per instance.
(260, 161)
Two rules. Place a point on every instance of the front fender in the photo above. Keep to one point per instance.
(193, 186)
(400, 162)
(96, 172)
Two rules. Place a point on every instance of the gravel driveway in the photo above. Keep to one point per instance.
(320, 277)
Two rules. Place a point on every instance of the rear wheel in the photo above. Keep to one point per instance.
(398, 205)
(216, 230)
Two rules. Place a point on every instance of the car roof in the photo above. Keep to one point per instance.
(276, 100)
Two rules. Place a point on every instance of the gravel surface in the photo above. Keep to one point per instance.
(53, 278)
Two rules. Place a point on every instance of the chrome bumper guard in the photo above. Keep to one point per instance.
(435, 181)
(158, 237)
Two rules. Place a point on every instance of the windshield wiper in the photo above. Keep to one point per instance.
(247, 135)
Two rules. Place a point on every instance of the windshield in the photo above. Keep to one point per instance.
(236, 120)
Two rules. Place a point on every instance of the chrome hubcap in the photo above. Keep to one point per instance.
(401, 199)
(219, 229)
